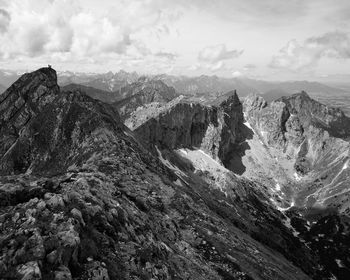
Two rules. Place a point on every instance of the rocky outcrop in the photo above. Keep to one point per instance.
(311, 112)
(269, 120)
(104, 96)
(23, 101)
(313, 139)
(214, 129)
(143, 92)
(60, 135)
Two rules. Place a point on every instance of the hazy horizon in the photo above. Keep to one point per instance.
(336, 80)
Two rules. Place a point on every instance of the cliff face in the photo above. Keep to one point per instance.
(310, 137)
(23, 101)
(214, 129)
(311, 112)
(50, 130)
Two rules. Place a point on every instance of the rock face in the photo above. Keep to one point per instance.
(214, 129)
(313, 138)
(21, 103)
(311, 112)
(59, 135)
(89, 202)
(143, 92)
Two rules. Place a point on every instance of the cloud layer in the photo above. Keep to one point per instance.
(4, 20)
(154, 36)
(71, 30)
(296, 56)
(217, 53)
(214, 57)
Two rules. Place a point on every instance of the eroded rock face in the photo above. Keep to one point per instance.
(311, 112)
(269, 120)
(23, 101)
(59, 135)
(311, 136)
(213, 129)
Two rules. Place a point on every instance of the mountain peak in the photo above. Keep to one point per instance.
(22, 101)
(254, 101)
(232, 98)
(49, 71)
(303, 94)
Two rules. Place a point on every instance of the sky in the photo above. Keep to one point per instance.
(261, 39)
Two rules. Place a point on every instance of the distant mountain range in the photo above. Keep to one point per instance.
(210, 86)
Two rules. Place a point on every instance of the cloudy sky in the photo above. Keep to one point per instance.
(265, 39)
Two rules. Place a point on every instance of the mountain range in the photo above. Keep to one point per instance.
(147, 181)
(113, 82)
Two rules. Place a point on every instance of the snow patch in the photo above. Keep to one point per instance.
(278, 187)
(339, 263)
(287, 223)
(297, 177)
(287, 208)
(346, 165)
(247, 124)
(168, 164)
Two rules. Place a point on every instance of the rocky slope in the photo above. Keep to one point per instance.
(104, 96)
(214, 129)
(144, 91)
(82, 199)
(268, 151)
(310, 142)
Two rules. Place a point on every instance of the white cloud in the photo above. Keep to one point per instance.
(4, 20)
(158, 35)
(217, 53)
(64, 30)
(249, 67)
(296, 56)
(213, 58)
(166, 55)
(237, 74)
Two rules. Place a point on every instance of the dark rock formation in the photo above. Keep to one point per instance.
(105, 96)
(213, 129)
(21, 103)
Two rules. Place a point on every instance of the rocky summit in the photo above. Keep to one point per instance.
(226, 190)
